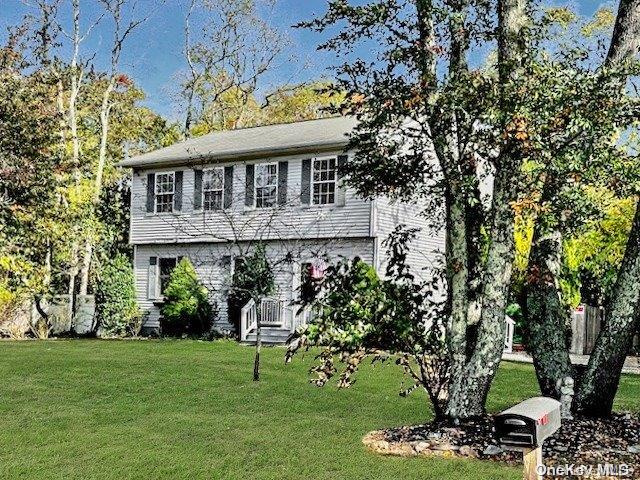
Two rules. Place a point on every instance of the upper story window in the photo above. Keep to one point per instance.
(324, 181)
(213, 188)
(165, 190)
(266, 184)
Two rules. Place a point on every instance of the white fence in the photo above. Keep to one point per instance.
(508, 334)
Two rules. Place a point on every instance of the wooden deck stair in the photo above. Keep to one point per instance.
(270, 336)
(279, 319)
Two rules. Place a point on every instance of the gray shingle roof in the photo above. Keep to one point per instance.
(256, 142)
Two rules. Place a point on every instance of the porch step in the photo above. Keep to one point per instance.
(270, 336)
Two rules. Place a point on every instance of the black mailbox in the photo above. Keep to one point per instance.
(528, 424)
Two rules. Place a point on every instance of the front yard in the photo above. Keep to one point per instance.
(187, 409)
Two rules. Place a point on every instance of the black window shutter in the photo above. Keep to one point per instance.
(228, 186)
(152, 278)
(283, 174)
(342, 160)
(248, 191)
(341, 191)
(151, 191)
(197, 189)
(305, 185)
(177, 201)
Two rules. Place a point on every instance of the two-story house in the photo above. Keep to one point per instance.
(213, 198)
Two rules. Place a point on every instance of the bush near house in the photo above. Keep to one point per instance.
(186, 309)
(117, 311)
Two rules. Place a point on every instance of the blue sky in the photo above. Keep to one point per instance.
(154, 53)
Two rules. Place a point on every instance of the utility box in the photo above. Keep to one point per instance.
(527, 424)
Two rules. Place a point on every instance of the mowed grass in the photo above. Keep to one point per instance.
(188, 410)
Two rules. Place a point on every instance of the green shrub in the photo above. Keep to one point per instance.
(186, 309)
(117, 312)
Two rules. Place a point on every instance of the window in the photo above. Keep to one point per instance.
(165, 192)
(166, 267)
(324, 181)
(307, 289)
(212, 188)
(266, 183)
(311, 276)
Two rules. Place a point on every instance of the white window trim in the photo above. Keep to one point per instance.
(313, 182)
(221, 169)
(255, 185)
(155, 193)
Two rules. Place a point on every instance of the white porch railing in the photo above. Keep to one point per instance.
(275, 312)
(508, 334)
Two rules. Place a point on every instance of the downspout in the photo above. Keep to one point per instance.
(373, 231)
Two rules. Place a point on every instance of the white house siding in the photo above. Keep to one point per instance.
(210, 267)
(290, 221)
(426, 251)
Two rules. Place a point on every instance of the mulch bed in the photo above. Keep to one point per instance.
(581, 441)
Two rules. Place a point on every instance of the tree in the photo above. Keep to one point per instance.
(121, 31)
(404, 94)
(547, 313)
(296, 103)
(28, 158)
(266, 243)
(431, 126)
(253, 280)
(592, 256)
(600, 382)
(74, 72)
(232, 52)
(44, 237)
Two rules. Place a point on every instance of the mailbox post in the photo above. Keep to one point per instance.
(525, 426)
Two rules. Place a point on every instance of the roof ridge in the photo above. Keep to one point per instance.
(271, 125)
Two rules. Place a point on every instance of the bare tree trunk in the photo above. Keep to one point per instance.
(86, 267)
(192, 69)
(546, 315)
(105, 110)
(625, 40)
(256, 361)
(73, 273)
(189, 118)
(469, 398)
(120, 34)
(599, 384)
(77, 73)
(458, 282)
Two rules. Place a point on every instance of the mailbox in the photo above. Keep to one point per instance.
(527, 424)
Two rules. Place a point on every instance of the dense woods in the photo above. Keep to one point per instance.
(67, 120)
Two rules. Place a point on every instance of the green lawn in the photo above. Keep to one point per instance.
(186, 409)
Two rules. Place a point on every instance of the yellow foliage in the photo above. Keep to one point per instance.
(523, 235)
(602, 21)
(563, 16)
